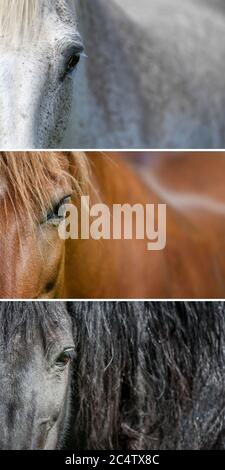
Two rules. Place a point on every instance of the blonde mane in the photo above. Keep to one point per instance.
(22, 18)
(31, 179)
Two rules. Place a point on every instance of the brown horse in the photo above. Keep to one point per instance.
(36, 263)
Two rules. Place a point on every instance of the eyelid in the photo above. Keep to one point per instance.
(71, 354)
(54, 349)
(68, 350)
(62, 201)
(52, 211)
(80, 49)
(59, 204)
(74, 49)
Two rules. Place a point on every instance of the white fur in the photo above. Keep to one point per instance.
(34, 102)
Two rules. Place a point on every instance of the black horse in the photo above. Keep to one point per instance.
(122, 375)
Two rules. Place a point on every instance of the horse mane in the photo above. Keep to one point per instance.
(21, 17)
(24, 18)
(138, 368)
(31, 178)
(23, 320)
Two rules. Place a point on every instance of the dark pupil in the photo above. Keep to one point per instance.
(63, 359)
(74, 60)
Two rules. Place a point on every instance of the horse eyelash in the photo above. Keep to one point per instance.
(53, 212)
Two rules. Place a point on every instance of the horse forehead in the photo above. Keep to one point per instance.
(62, 19)
(66, 11)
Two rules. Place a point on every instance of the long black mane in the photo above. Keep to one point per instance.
(147, 374)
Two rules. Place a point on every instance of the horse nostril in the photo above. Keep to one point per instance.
(44, 426)
(50, 286)
(54, 420)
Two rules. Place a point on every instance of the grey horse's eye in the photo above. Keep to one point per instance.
(72, 63)
(65, 358)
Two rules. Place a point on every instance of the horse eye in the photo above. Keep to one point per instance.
(53, 216)
(72, 62)
(65, 358)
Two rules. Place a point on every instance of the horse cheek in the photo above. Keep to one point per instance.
(62, 111)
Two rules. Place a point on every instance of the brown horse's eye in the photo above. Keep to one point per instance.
(65, 358)
(53, 217)
(72, 62)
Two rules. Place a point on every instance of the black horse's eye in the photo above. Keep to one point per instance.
(65, 358)
(72, 62)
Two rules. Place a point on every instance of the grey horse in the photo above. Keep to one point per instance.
(146, 74)
(153, 76)
(106, 375)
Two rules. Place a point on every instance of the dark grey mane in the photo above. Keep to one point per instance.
(25, 319)
(140, 370)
